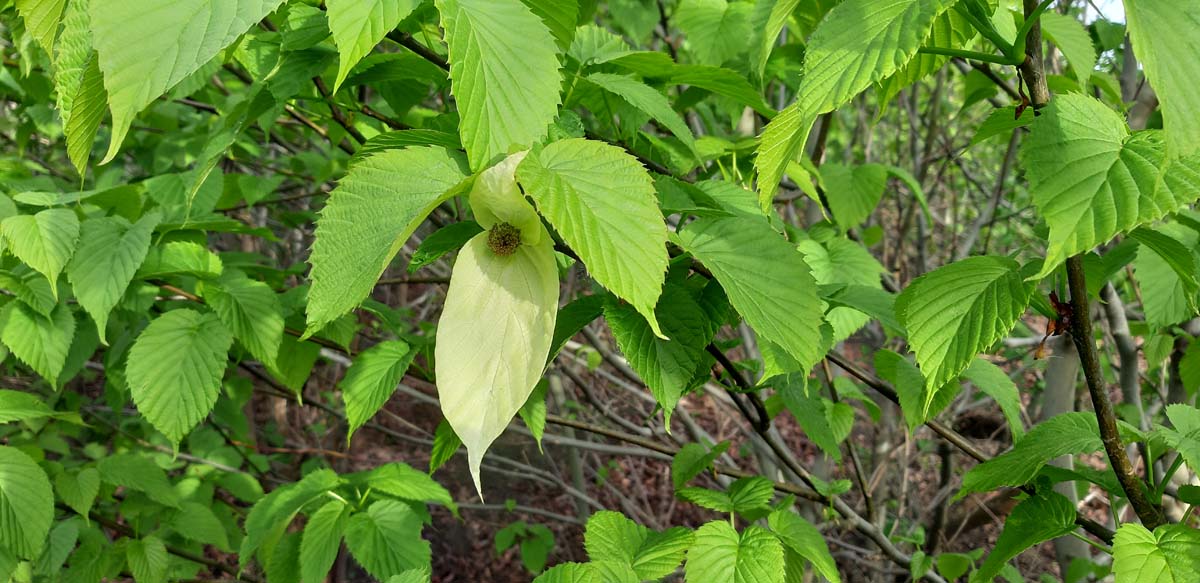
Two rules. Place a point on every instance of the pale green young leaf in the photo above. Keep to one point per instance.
(504, 72)
(87, 111)
(359, 25)
(647, 100)
(1069, 35)
(1092, 180)
(1163, 33)
(801, 537)
(137, 472)
(743, 495)
(717, 30)
(995, 383)
(766, 279)
(173, 41)
(1170, 554)
(610, 536)
(1040, 518)
(147, 559)
(372, 379)
(251, 311)
(321, 540)
(41, 20)
(386, 539)
(602, 201)
(368, 218)
(78, 489)
(175, 369)
(41, 342)
(859, 42)
(26, 504)
(44, 241)
(853, 191)
(955, 312)
(109, 254)
(720, 553)
(1069, 433)
(272, 514)
(493, 338)
(570, 573)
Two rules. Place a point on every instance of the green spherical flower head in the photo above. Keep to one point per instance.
(503, 239)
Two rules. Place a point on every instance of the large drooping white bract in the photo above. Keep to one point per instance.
(498, 320)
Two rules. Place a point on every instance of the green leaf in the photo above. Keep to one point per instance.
(744, 495)
(1074, 41)
(41, 20)
(109, 254)
(647, 100)
(766, 279)
(26, 504)
(1038, 519)
(772, 16)
(1069, 433)
(692, 459)
(912, 390)
(950, 30)
(533, 413)
(271, 515)
(87, 111)
(411, 576)
(359, 25)
(859, 42)
(180, 258)
(19, 406)
(801, 537)
(140, 473)
(716, 30)
(995, 383)
(1170, 554)
(721, 554)
(445, 445)
(251, 311)
(372, 379)
(504, 72)
(148, 559)
(1167, 267)
(955, 312)
(386, 539)
(1161, 33)
(369, 216)
(1001, 122)
(1092, 180)
(842, 261)
(172, 44)
(402, 481)
(610, 536)
(44, 241)
(493, 338)
(813, 413)
(443, 241)
(853, 191)
(30, 287)
(570, 573)
(718, 80)
(321, 540)
(175, 369)
(197, 522)
(602, 201)
(79, 489)
(41, 342)
(559, 16)
(71, 57)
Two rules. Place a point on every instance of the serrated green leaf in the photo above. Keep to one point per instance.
(610, 536)
(570, 573)
(801, 537)
(995, 383)
(647, 100)
(859, 42)
(766, 279)
(41, 20)
(359, 25)
(26, 504)
(1161, 32)
(853, 191)
(41, 342)
(251, 311)
(172, 44)
(386, 539)
(955, 312)
(912, 389)
(44, 241)
(110, 252)
(175, 369)
(1091, 179)
(321, 540)
(180, 258)
(813, 413)
(842, 261)
(1001, 122)
(147, 559)
(444, 240)
(445, 445)
(771, 16)
(1167, 267)
(78, 489)
(197, 522)
(1069, 433)
(692, 459)
(372, 379)
(369, 216)
(30, 287)
(719, 553)
(19, 406)
(1074, 41)
(402, 481)
(744, 495)
(601, 200)
(1170, 554)
(559, 16)
(504, 73)
(87, 111)
(137, 472)
(950, 30)
(716, 30)
(1038, 519)
(533, 413)
(72, 56)
(271, 515)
